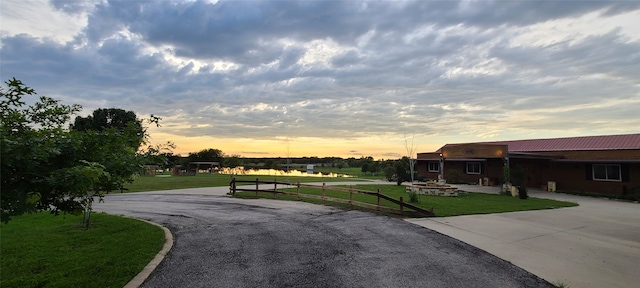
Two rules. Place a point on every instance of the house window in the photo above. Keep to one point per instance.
(473, 168)
(607, 172)
(434, 167)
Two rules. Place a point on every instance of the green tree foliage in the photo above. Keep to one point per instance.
(125, 122)
(271, 164)
(397, 170)
(210, 155)
(402, 170)
(161, 155)
(47, 167)
(232, 161)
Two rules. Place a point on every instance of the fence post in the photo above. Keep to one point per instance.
(298, 191)
(233, 186)
(275, 188)
(378, 198)
(351, 195)
(401, 206)
(323, 192)
(257, 187)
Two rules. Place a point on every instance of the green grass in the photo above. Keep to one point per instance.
(167, 182)
(464, 204)
(42, 250)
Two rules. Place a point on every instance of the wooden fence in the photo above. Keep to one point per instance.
(414, 210)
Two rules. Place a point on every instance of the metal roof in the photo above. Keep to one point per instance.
(607, 142)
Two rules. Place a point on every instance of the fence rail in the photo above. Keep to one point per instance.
(414, 210)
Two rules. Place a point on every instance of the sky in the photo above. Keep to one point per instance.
(335, 78)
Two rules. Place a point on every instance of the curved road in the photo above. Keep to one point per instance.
(226, 242)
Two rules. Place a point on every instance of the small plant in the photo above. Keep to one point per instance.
(414, 197)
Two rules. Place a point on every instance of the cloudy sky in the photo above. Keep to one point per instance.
(336, 78)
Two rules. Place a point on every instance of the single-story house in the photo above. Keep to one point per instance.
(595, 164)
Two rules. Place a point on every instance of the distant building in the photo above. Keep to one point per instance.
(595, 164)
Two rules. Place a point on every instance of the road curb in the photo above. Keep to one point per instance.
(151, 266)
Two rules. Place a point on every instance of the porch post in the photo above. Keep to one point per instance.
(441, 167)
(506, 164)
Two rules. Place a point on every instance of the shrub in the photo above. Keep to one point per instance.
(413, 197)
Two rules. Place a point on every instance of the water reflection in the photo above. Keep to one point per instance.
(274, 172)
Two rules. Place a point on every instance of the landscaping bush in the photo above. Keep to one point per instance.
(413, 197)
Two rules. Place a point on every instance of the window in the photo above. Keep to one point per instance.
(473, 168)
(607, 172)
(433, 167)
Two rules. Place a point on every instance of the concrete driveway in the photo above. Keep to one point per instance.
(596, 244)
(225, 242)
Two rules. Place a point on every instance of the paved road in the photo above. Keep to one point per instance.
(596, 244)
(224, 242)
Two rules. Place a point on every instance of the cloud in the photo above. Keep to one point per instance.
(342, 69)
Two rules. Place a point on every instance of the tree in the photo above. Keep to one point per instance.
(161, 155)
(208, 155)
(35, 174)
(232, 161)
(113, 118)
(47, 167)
(402, 172)
(390, 173)
(411, 149)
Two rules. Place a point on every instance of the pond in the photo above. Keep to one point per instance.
(274, 172)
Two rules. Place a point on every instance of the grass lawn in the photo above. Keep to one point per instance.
(42, 250)
(465, 204)
(168, 182)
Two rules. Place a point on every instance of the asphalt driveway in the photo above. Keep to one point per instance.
(224, 242)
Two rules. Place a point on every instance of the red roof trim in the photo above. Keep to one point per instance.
(607, 142)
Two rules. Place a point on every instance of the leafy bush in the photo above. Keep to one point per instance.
(413, 197)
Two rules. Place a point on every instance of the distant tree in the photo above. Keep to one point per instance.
(232, 161)
(390, 173)
(270, 164)
(397, 170)
(373, 167)
(365, 167)
(209, 155)
(161, 155)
